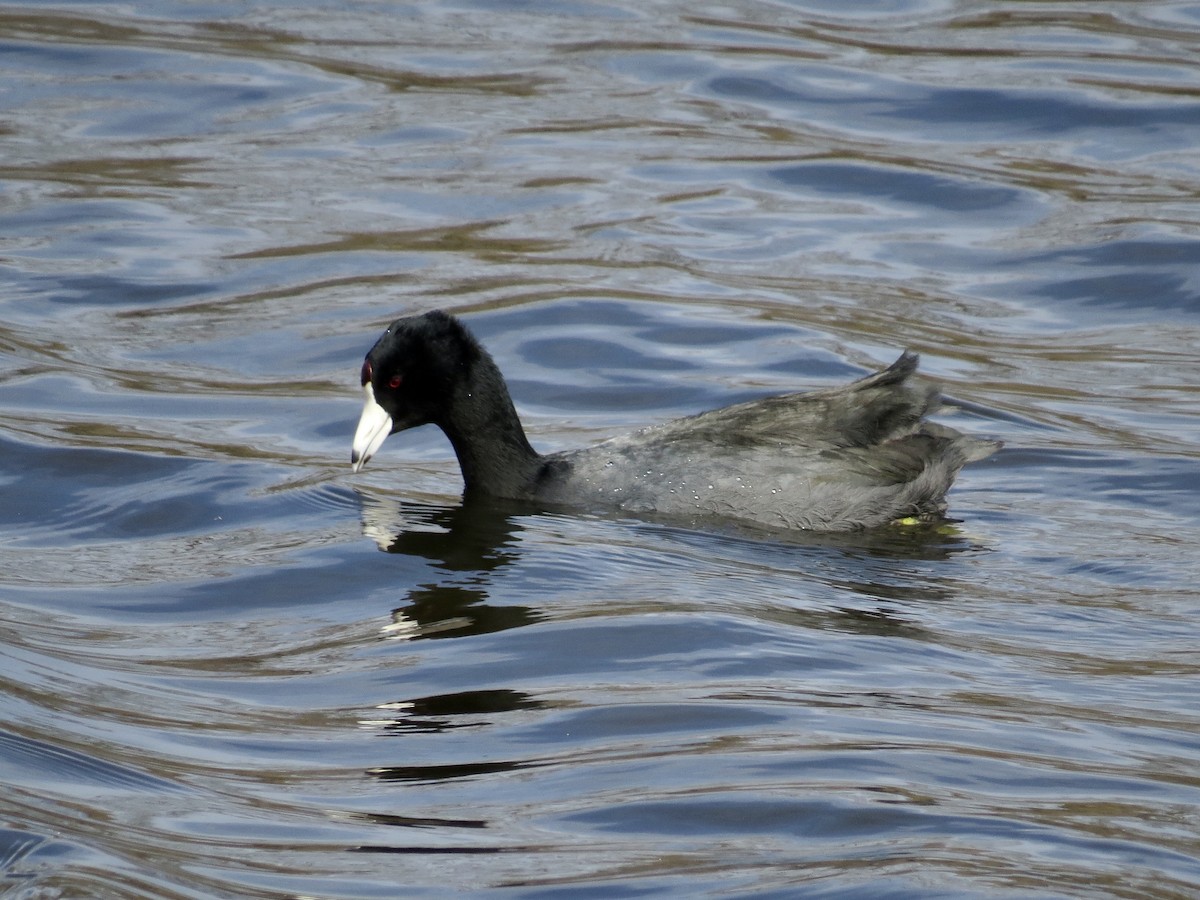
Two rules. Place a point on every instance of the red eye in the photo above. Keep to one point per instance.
(366, 373)
(394, 382)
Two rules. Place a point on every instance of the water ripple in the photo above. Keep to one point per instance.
(233, 668)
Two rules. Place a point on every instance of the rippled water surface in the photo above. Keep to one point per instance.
(231, 668)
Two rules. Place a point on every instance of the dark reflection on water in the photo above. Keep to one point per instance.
(474, 540)
(450, 611)
(214, 682)
(446, 772)
(477, 709)
(476, 537)
(482, 536)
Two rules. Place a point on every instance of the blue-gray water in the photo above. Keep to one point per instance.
(217, 683)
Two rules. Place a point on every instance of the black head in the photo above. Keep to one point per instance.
(411, 376)
(416, 364)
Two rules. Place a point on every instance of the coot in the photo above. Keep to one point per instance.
(851, 457)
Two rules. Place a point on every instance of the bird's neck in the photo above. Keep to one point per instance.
(483, 427)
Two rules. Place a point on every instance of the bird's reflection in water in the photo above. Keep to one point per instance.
(469, 542)
(472, 541)
(470, 545)
(439, 713)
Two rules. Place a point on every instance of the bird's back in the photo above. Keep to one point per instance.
(851, 457)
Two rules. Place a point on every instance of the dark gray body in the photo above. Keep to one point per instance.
(851, 457)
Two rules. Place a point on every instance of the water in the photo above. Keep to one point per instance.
(233, 669)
